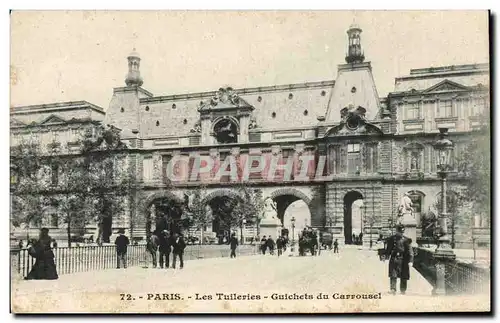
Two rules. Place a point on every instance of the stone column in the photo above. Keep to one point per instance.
(206, 128)
(244, 123)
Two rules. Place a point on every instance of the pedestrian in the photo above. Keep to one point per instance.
(44, 267)
(270, 245)
(400, 251)
(336, 246)
(21, 244)
(233, 242)
(263, 245)
(165, 248)
(279, 245)
(353, 238)
(121, 243)
(361, 238)
(178, 249)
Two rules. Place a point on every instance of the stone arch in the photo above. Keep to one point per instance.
(158, 195)
(219, 226)
(146, 223)
(349, 198)
(285, 197)
(290, 191)
(221, 192)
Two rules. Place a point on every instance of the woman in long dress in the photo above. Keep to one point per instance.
(44, 267)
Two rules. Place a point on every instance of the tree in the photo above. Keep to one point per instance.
(199, 212)
(28, 202)
(247, 210)
(103, 160)
(474, 163)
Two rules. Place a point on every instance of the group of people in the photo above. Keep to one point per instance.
(165, 244)
(268, 243)
(357, 239)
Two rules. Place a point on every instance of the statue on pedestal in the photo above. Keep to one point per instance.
(405, 210)
(270, 212)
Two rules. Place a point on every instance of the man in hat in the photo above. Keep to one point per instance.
(165, 248)
(121, 243)
(400, 254)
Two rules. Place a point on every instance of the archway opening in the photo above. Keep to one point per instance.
(223, 219)
(290, 206)
(164, 214)
(353, 216)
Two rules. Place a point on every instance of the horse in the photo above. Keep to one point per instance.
(308, 242)
(152, 244)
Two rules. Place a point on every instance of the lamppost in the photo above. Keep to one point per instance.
(292, 220)
(243, 223)
(443, 252)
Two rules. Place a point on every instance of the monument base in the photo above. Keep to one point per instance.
(271, 228)
(410, 225)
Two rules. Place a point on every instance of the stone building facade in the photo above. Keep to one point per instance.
(376, 148)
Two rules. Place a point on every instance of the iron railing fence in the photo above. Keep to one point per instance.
(460, 277)
(94, 257)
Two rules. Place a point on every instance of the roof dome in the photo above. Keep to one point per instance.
(134, 54)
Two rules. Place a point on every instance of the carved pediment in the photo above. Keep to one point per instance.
(224, 98)
(446, 86)
(53, 119)
(363, 129)
(16, 123)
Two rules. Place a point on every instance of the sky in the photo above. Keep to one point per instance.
(59, 56)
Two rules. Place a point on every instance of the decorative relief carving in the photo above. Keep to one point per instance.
(253, 123)
(157, 163)
(197, 127)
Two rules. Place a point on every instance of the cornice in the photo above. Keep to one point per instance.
(59, 106)
(241, 91)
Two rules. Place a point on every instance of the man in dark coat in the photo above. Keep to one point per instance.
(121, 243)
(400, 254)
(165, 248)
(263, 245)
(178, 249)
(233, 242)
(279, 245)
(270, 245)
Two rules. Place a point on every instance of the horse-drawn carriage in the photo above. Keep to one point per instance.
(308, 242)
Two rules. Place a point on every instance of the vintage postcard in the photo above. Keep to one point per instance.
(250, 161)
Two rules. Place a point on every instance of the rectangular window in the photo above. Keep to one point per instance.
(335, 160)
(353, 159)
(54, 220)
(478, 107)
(55, 135)
(413, 111)
(445, 109)
(54, 180)
(370, 158)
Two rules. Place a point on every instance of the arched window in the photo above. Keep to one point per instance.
(417, 199)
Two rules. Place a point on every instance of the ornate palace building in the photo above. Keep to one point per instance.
(376, 148)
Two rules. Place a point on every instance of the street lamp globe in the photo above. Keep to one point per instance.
(444, 147)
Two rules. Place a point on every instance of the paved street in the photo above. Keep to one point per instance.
(350, 272)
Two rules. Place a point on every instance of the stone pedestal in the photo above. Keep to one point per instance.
(270, 227)
(410, 224)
